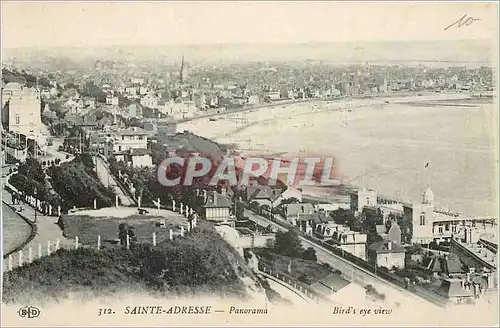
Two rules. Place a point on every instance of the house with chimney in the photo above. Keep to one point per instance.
(350, 241)
(217, 207)
(264, 195)
(387, 254)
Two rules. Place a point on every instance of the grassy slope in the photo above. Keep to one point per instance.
(79, 185)
(312, 269)
(200, 262)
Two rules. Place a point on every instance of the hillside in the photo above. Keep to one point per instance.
(200, 263)
(23, 78)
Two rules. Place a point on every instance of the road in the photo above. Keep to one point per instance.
(108, 179)
(47, 228)
(47, 231)
(350, 271)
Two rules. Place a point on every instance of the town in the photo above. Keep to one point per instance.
(81, 148)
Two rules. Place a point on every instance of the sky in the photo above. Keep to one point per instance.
(79, 24)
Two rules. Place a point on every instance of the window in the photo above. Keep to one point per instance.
(367, 200)
(123, 137)
(17, 119)
(141, 138)
(440, 229)
(422, 218)
(447, 227)
(119, 148)
(454, 229)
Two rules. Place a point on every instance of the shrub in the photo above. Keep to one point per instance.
(303, 278)
(309, 254)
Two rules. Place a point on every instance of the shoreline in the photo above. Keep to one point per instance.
(233, 133)
(402, 98)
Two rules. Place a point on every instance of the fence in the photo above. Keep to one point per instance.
(28, 255)
(294, 283)
(43, 207)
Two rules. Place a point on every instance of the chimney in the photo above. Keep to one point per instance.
(214, 198)
(389, 245)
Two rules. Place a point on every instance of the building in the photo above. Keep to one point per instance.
(274, 95)
(217, 207)
(130, 138)
(294, 211)
(466, 289)
(75, 106)
(362, 198)
(137, 81)
(131, 92)
(149, 100)
(136, 157)
(350, 241)
(289, 193)
(23, 108)
(263, 195)
(254, 100)
(111, 100)
(200, 101)
(386, 254)
(101, 142)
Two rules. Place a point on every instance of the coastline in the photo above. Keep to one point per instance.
(401, 98)
(259, 125)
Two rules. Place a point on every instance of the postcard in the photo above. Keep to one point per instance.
(249, 164)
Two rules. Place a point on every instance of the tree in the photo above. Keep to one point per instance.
(288, 243)
(240, 210)
(122, 233)
(345, 217)
(309, 254)
(303, 278)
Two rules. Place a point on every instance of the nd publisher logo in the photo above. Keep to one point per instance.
(29, 312)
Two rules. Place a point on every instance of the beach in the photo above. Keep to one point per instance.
(386, 144)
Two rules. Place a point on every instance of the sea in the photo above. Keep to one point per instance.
(397, 149)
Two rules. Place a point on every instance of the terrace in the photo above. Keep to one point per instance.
(88, 224)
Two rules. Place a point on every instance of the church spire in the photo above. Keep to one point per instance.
(181, 73)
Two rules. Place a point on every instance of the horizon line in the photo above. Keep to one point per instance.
(244, 43)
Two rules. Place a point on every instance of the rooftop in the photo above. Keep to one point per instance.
(131, 131)
(216, 200)
(296, 209)
(385, 246)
